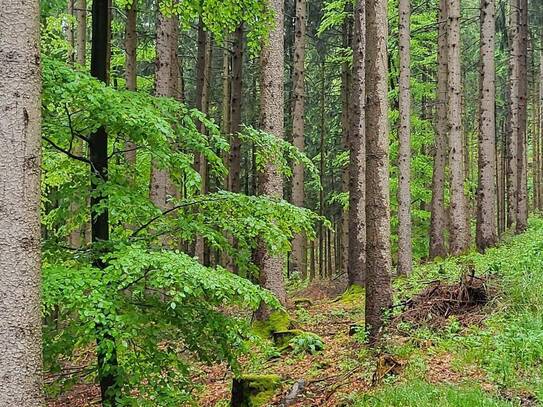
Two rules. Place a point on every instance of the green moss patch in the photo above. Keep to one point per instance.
(277, 322)
(254, 390)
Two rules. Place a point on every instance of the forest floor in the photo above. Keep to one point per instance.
(464, 331)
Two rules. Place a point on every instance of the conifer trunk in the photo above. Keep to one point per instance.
(379, 262)
(460, 233)
(235, 145)
(438, 219)
(272, 116)
(486, 194)
(405, 249)
(131, 45)
(298, 256)
(356, 267)
(81, 36)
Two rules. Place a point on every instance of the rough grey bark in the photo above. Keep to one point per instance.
(459, 231)
(160, 180)
(272, 117)
(131, 45)
(235, 120)
(298, 256)
(522, 145)
(486, 194)
(405, 247)
(70, 36)
(513, 114)
(81, 36)
(20, 150)
(378, 256)
(356, 267)
(438, 219)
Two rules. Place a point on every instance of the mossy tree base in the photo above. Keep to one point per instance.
(254, 390)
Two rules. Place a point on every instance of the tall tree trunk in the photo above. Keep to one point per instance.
(438, 219)
(20, 152)
(100, 54)
(131, 46)
(460, 233)
(379, 262)
(356, 269)
(322, 126)
(513, 114)
(346, 84)
(540, 134)
(405, 248)
(272, 115)
(486, 194)
(298, 257)
(81, 37)
(160, 179)
(522, 156)
(235, 146)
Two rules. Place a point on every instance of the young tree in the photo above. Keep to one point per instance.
(460, 233)
(486, 194)
(379, 262)
(438, 219)
(356, 266)
(298, 255)
(98, 155)
(20, 243)
(272, 116)
(405, 249)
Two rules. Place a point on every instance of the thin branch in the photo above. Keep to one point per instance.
(67, 152)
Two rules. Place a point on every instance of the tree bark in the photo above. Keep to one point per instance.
(298, 257)
(522, 156)
(272, 116)
(235, 146)
(486, 194)
(131, 45)
(379, 262)
(405, 248)
(20, 152)
(356, 269)
(513, 125)
(438, 219)
(160, 180)
(460, 233)
(98, 143)
(70, 37)
(81, 37)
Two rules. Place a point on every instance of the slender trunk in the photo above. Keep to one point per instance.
(100, 54)
(540, 133)
(131, 45)
(379, 261)
(486, 193)
(438, 219)
(20, 152)
(298, 263)
(321, 164)
(81, 37)
(235, 146)
(405, 248)
(513, 125)
(346, 83)
(272, 117)
(460, 233)
(522, 156)
(356, 269)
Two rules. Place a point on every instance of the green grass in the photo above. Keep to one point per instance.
(422, 394)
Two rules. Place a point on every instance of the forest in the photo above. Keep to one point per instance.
(257, 203)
